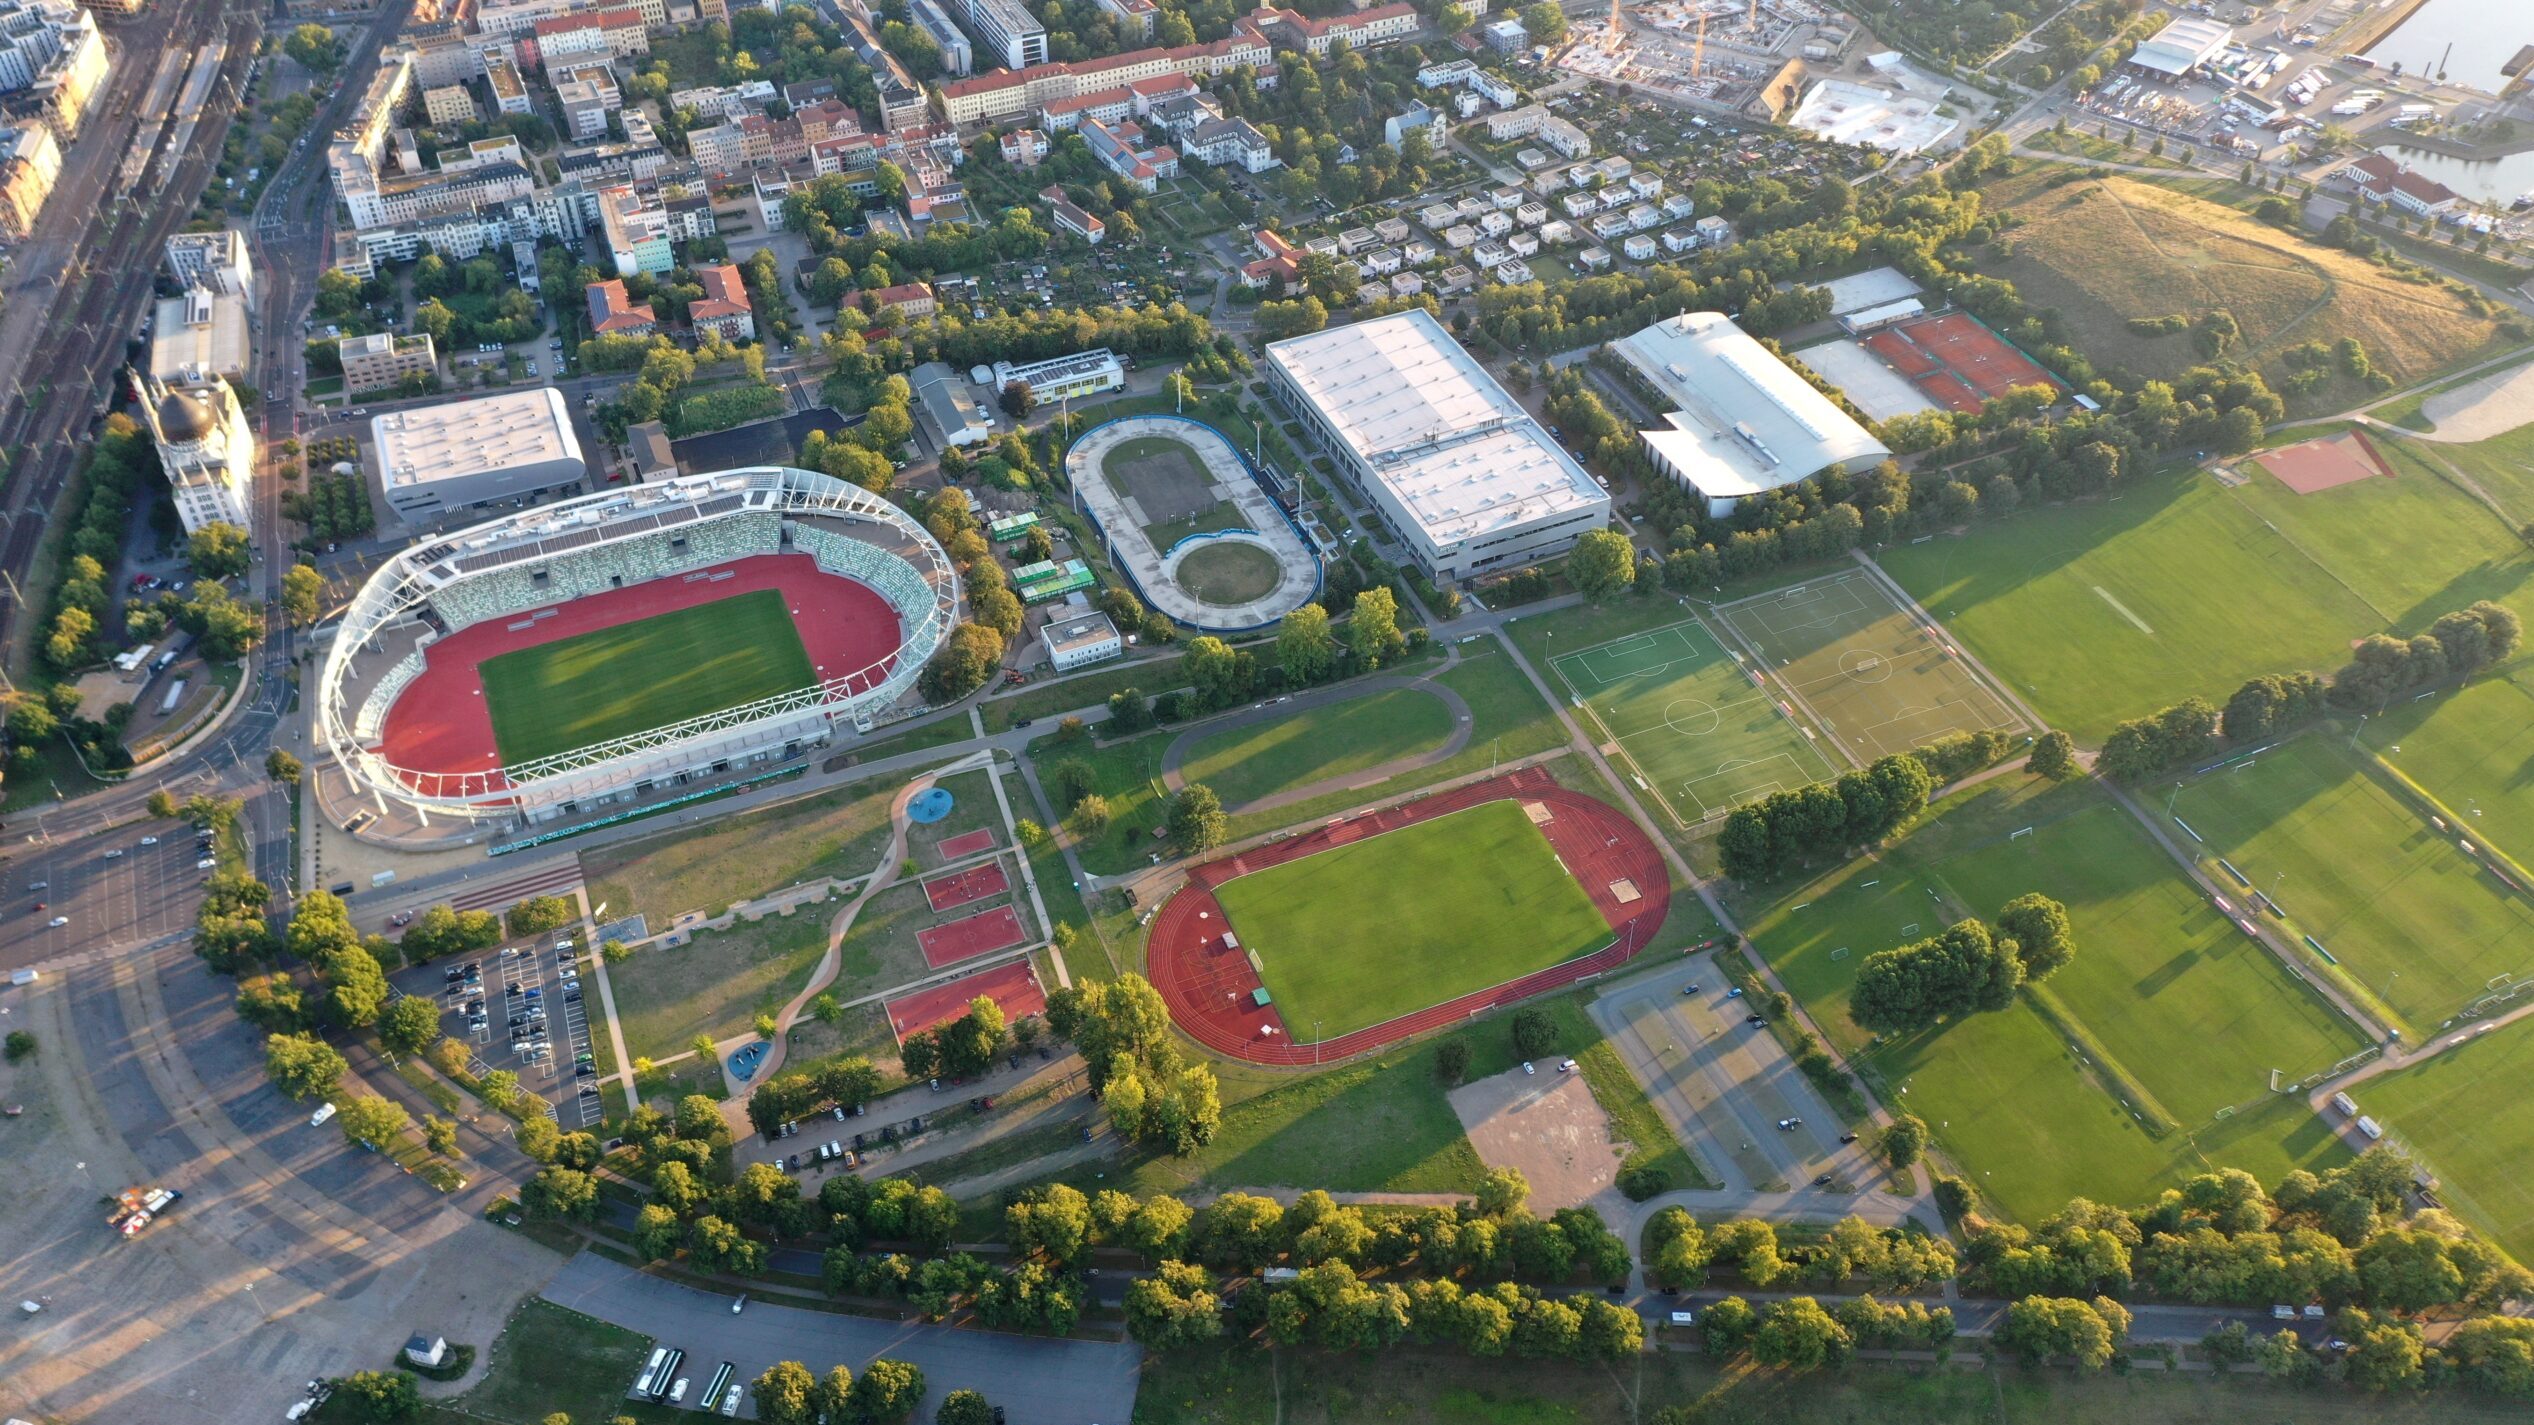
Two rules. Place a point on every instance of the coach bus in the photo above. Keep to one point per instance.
(721, 1381)
(654, 1384)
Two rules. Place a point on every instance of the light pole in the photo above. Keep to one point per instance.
(1315, 1042)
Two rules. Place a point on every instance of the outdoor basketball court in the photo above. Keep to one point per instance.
(1862, 668)
(1697, 728)
(1012, 986)
(979, 934)
(960, 887)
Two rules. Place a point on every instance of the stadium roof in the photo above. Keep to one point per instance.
(2183, 46)
(1457, 452)
(457, 439)
(1742, 420)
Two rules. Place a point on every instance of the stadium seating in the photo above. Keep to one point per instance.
(894, 578)
(503, 593)
(373, 715)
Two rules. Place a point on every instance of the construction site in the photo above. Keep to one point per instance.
(1740, 57)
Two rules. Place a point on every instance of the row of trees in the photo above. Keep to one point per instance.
(1152, 1092)
(887, 1391)
(1963, 968)
(1763, 838)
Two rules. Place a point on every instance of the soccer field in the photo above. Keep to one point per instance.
(2404, 910)
(1690, 721)
(2189, 1010)
(1374, 929)
(614, 681)
(2467, 1115)
(1869, 674)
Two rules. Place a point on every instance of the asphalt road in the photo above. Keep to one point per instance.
(1038, 1380)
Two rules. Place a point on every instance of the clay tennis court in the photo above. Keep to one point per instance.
(2314, 465)
(979, 934)
(967, 843)
(1014, 986)
(1210, 987)
(960, 887)
(1958, 362)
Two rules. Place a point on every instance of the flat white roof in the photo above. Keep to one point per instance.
(1894, 122)
(1457, 452)
(1871, 288)
(1876, 389)
(2183, 45)
(181, 352)
(1742, 420)
(457, 439)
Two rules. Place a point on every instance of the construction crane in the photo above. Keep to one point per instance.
(1698, 55)
(1610, 37)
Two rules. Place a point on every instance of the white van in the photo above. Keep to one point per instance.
(2347, 1105)
(2371, 1128)
(324, 1112)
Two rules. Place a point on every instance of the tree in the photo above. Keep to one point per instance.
(303, 590)
(1451, 1060)
(2037, 927)
(1727, 1327)
(21, 1044)
(370, 1119)
(1603, 563)
(440, 1135)
(218, 550)
(1501, 1193)
(1305, 648)
(1174, 1307)
(563, 1194)
(785, 1394)
(1798, 1335)
(281, 767)
(885, 1392)
(968, 657)
(1372, 629)
(1534, 1033)
(1017, 400)
(302, 1065)
(380, 1396)
(965, 1407)
(314, 46)
(1954, 972)
(1220, 675)
(1196, 822)
(1545, 23)
(2053, 756)
(409, 1026)
(1904, 1140)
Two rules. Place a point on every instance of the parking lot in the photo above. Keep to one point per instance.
(521, 1007)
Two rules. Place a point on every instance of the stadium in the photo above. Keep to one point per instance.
(592, 651)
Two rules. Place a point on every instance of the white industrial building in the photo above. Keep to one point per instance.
(1454, 465)
(1742, 422)
(461, 453)
(2182, 46)
(1085, 373)
(1080, 639)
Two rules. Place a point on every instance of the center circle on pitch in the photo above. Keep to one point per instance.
(1692, 717)
(1864, 666)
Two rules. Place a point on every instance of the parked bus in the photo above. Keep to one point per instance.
(654, 1384)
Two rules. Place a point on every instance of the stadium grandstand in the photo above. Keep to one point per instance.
(586, 653)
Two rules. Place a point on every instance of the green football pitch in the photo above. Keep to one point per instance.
(614, 681)
(2466, 1116)
(1370, 931)
(1690, 721)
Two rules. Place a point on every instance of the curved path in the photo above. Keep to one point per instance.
(1174, 758)
(882, 877)
(1207, 987)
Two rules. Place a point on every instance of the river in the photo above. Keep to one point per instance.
(2484, 33)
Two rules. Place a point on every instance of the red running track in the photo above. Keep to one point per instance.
(440, 723)
(979, 934)
(960, 887)
(1208, 987)
(1015, 987)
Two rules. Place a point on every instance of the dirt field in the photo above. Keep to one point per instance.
(1548, 1126)
(2491, 405)
(2312, 466)
(2106, 251)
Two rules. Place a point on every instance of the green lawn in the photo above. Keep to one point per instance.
(613, 681)
(548, 1359)
(2503, 465)
(1360, 934)
(2414, 547)
(2473, 750)
(2160, 986)
(716, 983)
(712, 866)
(1244, 764)
(2413, 920)
(2221, 598)
(2466, 1113)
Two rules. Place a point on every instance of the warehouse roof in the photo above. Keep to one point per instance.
(1457, 452)
(1742, 420)
(456, 439)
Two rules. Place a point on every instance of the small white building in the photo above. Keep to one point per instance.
(1080, 639)
(1639, 248)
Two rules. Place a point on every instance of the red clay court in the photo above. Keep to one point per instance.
(960, 887)
(1954, 359)
(2311, 466)
(440, 723)
(1015, 987)
(965, 844)
(979, 934)
(1208, 986)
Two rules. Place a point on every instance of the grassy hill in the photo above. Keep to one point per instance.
(2107, 251)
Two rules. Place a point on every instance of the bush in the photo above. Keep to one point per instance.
(21, 1044)
(1451, 1061)
(1643, 1182)
(1534, 1033)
